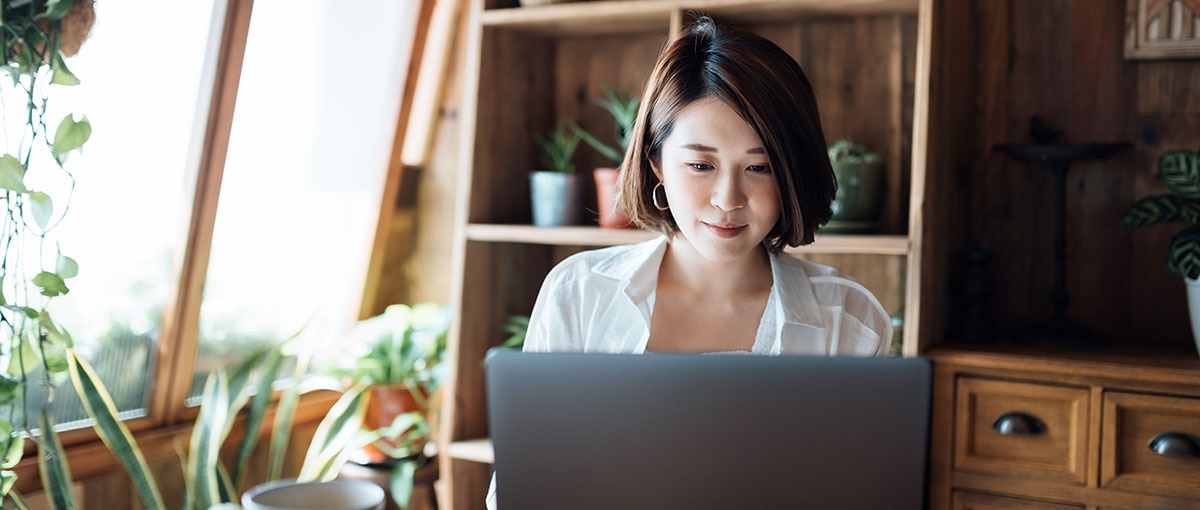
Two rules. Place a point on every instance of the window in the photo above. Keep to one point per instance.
(291, 231)
(309, 148)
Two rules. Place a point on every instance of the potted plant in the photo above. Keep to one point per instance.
(37, 38)
(861, 184)
(624, 112)
(554, 190)
(1180, 171)
(396, 356)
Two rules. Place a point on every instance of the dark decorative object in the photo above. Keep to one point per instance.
(1056, 157)
(972, 287)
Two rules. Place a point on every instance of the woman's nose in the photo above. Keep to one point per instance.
(727, 194)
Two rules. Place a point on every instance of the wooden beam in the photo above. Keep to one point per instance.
(392, 182)
(206, 164)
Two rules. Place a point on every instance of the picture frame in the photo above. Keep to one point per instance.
(1162, 29)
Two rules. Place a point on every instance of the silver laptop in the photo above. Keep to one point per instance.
(687, 431)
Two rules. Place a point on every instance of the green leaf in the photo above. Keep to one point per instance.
(340, 424)
(285, 411)
(1183, 254)
(42, 208)
(207, 436)
(70, 135)
(52, 463)
(14, 448)
(10, 389)
(1180, 171)
(23, 310)
(558, 148)
(62, 75)
(50, 284)
(595, 143)
(12, 174)
(258, 409)
(7, 479)
(67, 267)
(25, 360)
(54, 331)
(56, 9)
(112, 431)
(13, 453)
(401, 483)
(18, 501)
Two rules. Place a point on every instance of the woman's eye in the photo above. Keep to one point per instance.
(700, 166)
(760, 169)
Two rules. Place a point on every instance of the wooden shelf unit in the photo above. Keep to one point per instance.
(871, 63)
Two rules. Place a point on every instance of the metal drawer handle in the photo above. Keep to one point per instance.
(1176, 444)
(1018, 424)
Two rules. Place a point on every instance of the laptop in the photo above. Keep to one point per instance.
(714, 431)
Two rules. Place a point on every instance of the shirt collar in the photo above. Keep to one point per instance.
(638, 268)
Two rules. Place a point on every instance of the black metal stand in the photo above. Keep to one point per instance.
(1060, 331)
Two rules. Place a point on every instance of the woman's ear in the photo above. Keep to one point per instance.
(654, 168)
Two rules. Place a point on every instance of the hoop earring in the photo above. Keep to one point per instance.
(654, 196)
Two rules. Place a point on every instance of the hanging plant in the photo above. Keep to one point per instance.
(35, 37)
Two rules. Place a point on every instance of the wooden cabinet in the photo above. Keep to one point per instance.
(966, 500)
(882, 70)
(1090, 429)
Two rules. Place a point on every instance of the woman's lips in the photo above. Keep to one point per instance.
(725, 231)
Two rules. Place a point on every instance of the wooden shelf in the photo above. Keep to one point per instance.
(596, 236)
(581, 18)
(475, 450)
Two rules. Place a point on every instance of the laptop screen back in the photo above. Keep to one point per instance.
(664, 431)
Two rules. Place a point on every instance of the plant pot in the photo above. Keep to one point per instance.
(555, 198)
(606, 199)
(1193, 298)
(384, 403)
(291, 495)
(859, 199)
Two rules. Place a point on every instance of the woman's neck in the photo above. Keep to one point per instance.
(685, 269)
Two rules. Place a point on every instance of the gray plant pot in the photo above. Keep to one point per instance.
(555, 198)
(289, 494)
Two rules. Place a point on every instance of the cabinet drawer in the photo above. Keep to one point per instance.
(988, 437)
(1131, 422)
(964, 500)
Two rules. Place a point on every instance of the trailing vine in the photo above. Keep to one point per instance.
(35, 37)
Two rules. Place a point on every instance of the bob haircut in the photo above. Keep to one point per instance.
(769, 91)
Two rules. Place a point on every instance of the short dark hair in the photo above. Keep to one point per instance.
(769, 91)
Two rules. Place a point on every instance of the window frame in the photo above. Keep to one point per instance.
(168, 417)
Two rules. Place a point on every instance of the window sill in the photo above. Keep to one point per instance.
(91, 458)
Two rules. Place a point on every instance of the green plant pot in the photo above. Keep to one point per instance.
(555, 198)
(860, 194)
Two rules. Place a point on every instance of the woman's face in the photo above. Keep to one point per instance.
(719, 183)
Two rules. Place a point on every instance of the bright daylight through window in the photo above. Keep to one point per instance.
(309, 147)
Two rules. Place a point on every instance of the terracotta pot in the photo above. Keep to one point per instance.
(384, 404)
(606, 199)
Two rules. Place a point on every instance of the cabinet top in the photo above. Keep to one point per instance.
(1158, 366)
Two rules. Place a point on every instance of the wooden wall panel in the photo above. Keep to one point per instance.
(1062, 60)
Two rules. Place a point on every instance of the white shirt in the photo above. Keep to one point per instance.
(601, 301)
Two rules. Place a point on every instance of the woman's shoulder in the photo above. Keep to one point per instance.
(822, 277)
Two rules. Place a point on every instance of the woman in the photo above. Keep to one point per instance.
(728, 162)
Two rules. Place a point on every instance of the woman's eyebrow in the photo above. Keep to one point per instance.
(699, 147)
